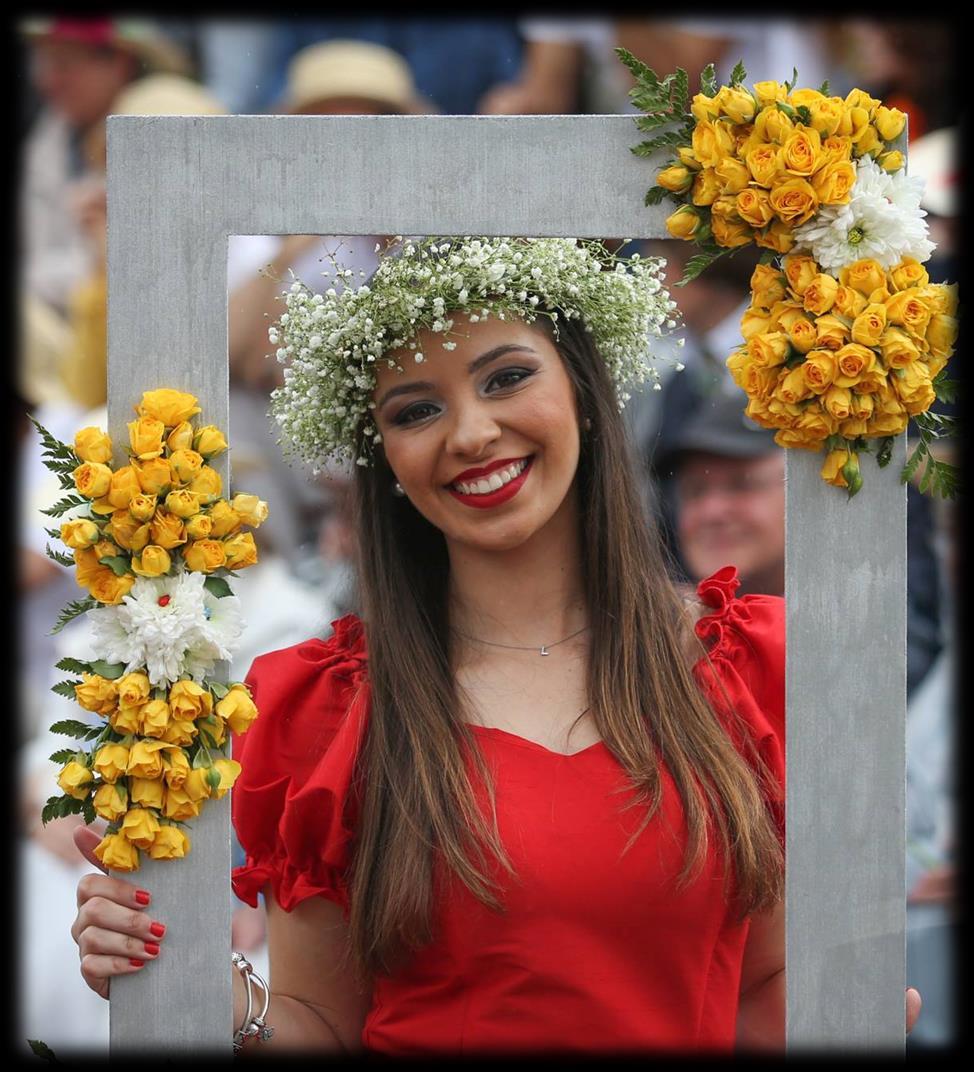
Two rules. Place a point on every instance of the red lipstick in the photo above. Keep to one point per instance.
(492, 498)
(475, 474)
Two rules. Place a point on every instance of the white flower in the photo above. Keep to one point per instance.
(172, 626)
(882, 221)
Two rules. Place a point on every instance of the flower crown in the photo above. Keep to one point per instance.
(331, 343)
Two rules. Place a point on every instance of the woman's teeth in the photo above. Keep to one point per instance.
(491, 483)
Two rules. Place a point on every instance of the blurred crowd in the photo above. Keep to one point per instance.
(712, 479)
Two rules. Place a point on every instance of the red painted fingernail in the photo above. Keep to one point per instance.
(158, 929)
(151, 948)
(137, 963)
(142, 896)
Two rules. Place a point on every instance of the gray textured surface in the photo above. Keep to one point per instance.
(179, 186)
(845, 577)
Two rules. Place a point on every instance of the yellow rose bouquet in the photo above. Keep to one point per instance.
(153, 543)
(845, 338)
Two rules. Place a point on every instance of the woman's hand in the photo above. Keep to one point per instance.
(913, 1006)
(114, 933)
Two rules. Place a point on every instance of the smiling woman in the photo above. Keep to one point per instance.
(520, 806)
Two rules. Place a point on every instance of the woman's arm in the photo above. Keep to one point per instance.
(761, 1012)
(315, 1006)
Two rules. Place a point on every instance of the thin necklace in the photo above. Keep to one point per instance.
(543, 650)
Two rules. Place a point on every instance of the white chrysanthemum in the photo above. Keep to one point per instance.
(882, 221)
(185, 634)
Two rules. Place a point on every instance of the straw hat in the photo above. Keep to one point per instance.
(139, 37)
(351, 69)
(166, 94)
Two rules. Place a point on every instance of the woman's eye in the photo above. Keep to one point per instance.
(417, 412)
(508, 378)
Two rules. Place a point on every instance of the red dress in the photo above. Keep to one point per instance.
(596, 952)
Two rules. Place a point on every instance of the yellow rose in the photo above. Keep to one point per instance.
(199, 526)
(185, 464)
(907, 310)
(852, 427)
(170, 844)
(155, 476)
(180, 731)
(754, 206)
(79, 534)
(908, 273)
(941, 336)
(93, 445)
(140, 826)
(153, 562)
(97, 694)
(196, 787)
(183, 503)
(836, 149)
(768, 285)
(204, 556)
(237, 708)
(864, 276)
(769, 92)
(124, 487)
(800, 270)
(939, 297)
(855, 121)
(144, 759)
(869, 325)
(117, 853)
(764, 164)
(760, 382)
(92, 479)
(703, 108)
(209, 441)
(178, 804)
(684, 223)
(892, 161)
(711, 142)
(805, 98)
(849, 302)
(207, 485)
(858, 98)
(125, 720)
(835, 462)
(730, 233)
(772, 125)
(224, 519)
(110, 801)
(889, 122)
(75, 779)
(147, 791)
(802, 334)
(796, 438)
(176, 767)
(105, 549)
(791, 387)
(736, 103)
(826, 115)
(913, 388)
(725, 207)
(755, 322)
(170, 407)
(143, 507)
(145, 437)
(757, 410)
(887, 424)
(240, 551)
(706, 187)
(732, 174)
(189, 700)
(87, 565)
(134, 689)
(861, 406)
(794, 201)
(853, 362)
(819, 370)
(833, 182)
(181, 437)
(215, 727)
(154, 718)
(688, 158)
(111, 761)
(737, 363)
(869, 141)
(769, 350)
(252, 511)
(676, 178)
(109, 588)
(777, 236)
(819, 296)
(838, 401)
(815, 422)
(801, 153)
(127, 532)
(229, 770)
(167, 530)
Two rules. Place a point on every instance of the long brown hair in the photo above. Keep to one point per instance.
(416, 800)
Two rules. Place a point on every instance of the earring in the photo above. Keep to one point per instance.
(587, 424)
(397, 490)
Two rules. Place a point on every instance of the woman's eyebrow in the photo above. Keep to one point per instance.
(474, 366)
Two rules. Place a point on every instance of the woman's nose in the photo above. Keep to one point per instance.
(472, 430)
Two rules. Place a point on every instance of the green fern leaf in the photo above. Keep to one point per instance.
(73, 666)
(738, 74)
(71, 727)
(66, 504)
(72, 611)
(639, 70)
(655, 194)
(59, 556)
(708, 81)
(65, 689)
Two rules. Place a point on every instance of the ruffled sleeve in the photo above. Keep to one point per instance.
(292, 805)
(746, 668)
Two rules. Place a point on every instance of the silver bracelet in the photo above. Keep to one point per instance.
(252, 1026)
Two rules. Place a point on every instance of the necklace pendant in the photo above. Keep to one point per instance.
(544, 650)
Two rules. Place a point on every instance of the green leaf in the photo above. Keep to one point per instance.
(655, 194)
(884, 452)
(118, 564)
(639, 70)
(697, 264)
(55, 534)
(651, 122)
(708, 81)
(738, 74)
(767, 256)
(41, 1049)
(681, 91)
(946, 390)
(218, 587)
(71, 727)
(823, 89)
(95, 731)
(109, 670)
(65, 688)
(53, 446)
(783, 106)
(66, 504)
(927, 473)
(913, 462)
(63, 755)
(218, 689)
(789, 86)
(72, 611)
(88, 810)
(59, 556)
(73, 666)
(804, 115)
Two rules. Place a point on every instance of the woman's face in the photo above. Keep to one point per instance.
(484, 439)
